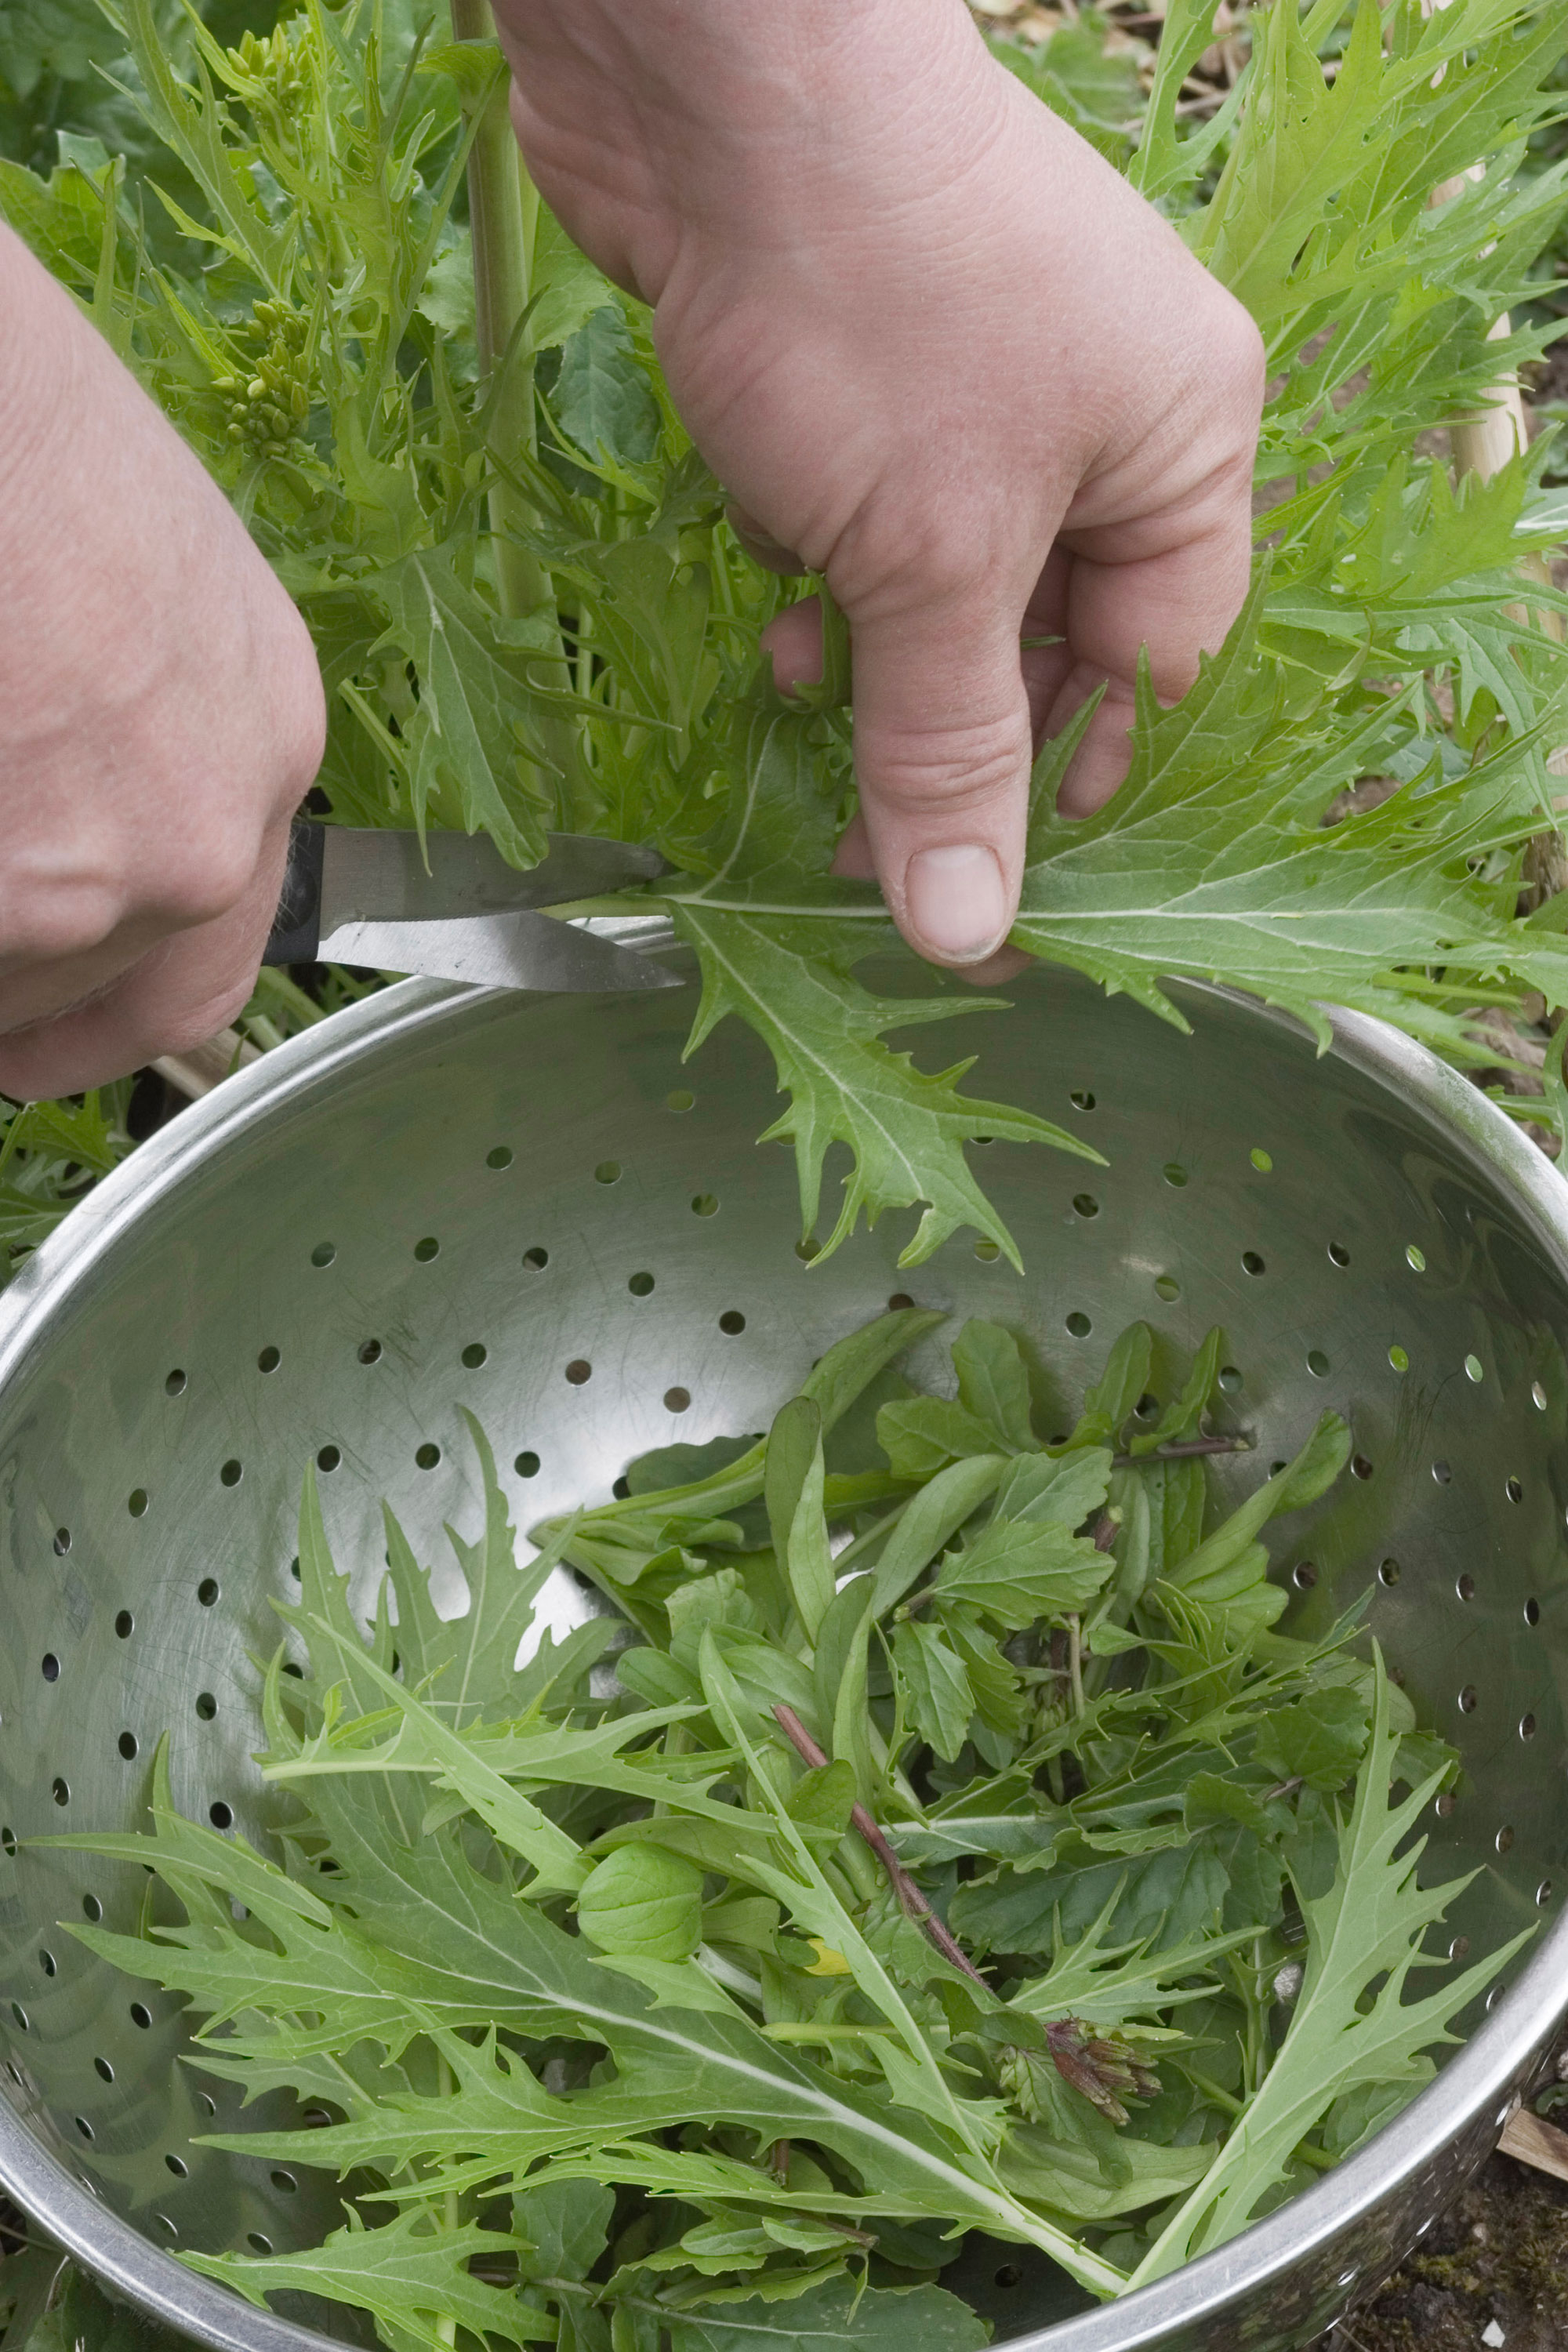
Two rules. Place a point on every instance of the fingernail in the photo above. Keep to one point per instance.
(955, 900)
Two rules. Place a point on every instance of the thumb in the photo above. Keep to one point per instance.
(941, 761)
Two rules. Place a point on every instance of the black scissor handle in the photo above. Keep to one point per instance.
(297, 926)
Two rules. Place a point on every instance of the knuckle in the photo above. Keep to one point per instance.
(943, 771)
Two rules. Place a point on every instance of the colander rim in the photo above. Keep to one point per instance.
(1484, 2077)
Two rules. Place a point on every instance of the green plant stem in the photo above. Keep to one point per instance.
(503, 211)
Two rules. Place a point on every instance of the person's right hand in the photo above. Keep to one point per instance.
(936, 348)
(161, 716)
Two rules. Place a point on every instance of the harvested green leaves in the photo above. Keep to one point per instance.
(955, 1847)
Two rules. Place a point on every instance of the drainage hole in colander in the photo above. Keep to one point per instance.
(988, 1252)
(500, 1158)
(1174, 1173)
(1444, 1804)
(1318, 1363)
(899, 1302)
(1504, 1839)
(124, 1624)
(1474, 1368)
(608, 1172)
(1085, 1204)
(174, 1383)
(328, 1458)
(62, 1542)
(1442, 1473)
(1466, 1587)
(1398, 1359)
(207, 1590)
(679, 1098)
(535, 1260)
(60, 1790)
(732, 1321)
(1081, 1100)
(1009, 2275)
(427, 1248)
(1415, 1258)
(1493, 1997)
(1080, 1325)
(1230, 1378)
(1527, 1727)
(136, 1502)
(527, 1466)
(578, 1370)
(1459, 1948)
(177, 2166)
(704, 1204)
(1513, 1490)
(7, 1841)
(1147, 1406)
(1167, 1287)
(206, 1706)
(1469, 1699)
(204, 2100)
(232, 1471)
(1261, 1159)
(101, 2067)
(284, 2180)
(323, 1254)
(677, 1400)
(51, 1667)
(641, 1285)
(622, 1490)
(126, 1744)
(1338, 1254)
(83, 2126)
(165, 2224)
(475, 1354)
(1303, 1576)
(1533, 1612)
(1360, 1466)
(141, 2014)
(92, 1907)
(47, 1962)
(1251, 1262)
(427, 1455)
(220, 1815)
(1543, 1892)
(1538, 1396)
(20, 2014)
(268, 1359)
(370, 1352)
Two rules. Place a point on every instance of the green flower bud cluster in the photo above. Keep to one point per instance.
(271, 61)
(266, 410)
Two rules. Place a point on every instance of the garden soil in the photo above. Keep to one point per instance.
(1492, 2275)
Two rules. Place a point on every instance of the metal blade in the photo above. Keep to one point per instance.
(513, 951)
(379, 876)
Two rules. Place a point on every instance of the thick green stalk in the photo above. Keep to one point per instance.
(503, 209)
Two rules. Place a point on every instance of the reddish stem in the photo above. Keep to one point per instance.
(903, 1885)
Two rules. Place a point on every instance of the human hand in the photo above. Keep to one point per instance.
(937, 349)
(161, 716)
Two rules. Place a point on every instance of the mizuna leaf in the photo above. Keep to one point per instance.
(873, 2319)
(1366, 1931)
(791, 980)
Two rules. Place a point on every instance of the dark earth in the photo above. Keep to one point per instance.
(1497, 2260)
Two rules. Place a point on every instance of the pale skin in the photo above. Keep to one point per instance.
(931, 343)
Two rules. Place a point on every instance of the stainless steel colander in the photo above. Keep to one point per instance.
(529, 1206)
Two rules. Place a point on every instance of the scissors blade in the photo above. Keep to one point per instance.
(381, 876)
(520, 950)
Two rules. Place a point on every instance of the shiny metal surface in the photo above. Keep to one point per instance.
(514, 951)
(440, 1172)
(371, 874)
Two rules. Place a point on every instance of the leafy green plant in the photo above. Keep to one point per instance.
(530, 612)
(1004, 1871)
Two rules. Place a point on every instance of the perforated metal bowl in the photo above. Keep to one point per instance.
(528, 1206)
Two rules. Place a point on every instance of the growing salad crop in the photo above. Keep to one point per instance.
(531, 613)
(954, 1847)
